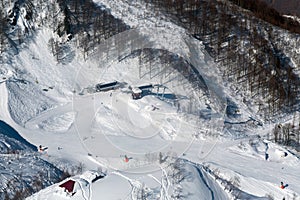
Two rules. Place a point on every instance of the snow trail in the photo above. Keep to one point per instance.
(205, 182)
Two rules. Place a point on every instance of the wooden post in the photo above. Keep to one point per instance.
(163, 93)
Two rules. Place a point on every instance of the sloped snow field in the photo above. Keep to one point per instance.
(156, 147)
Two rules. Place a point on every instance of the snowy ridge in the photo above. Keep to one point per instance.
(18, 154)
(161, 31)
(293, 17)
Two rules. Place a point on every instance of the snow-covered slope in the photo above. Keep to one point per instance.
(188, 137)
(17, 153)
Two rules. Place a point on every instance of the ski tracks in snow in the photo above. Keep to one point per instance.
(136, 185)
(32, 123)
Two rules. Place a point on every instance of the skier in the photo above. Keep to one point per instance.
(154, 108)
(281, 185)
(42, 149)
(126, 159)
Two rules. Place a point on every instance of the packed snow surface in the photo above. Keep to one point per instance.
(54, 105)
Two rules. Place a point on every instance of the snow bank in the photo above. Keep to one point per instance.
(60, 123)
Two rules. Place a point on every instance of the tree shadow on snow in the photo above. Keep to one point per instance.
(7, 130)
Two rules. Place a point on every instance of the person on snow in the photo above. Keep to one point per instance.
(42, 149)
(126, 159)
(281, 185)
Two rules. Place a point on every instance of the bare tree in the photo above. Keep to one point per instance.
(3, 28)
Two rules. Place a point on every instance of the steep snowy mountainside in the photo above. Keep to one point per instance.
(245, 48)
(290, 7)
(87, 37)
(266, 12)
(17, 141)
(17, 153)
(43, 29)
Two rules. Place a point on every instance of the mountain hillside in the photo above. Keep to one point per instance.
(163, 99)
(16, 153)
(290, 7)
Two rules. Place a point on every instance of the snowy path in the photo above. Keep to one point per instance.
(209, 187)
(205, 183)
(257, 176)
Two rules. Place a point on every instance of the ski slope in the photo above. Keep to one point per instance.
(100, 129)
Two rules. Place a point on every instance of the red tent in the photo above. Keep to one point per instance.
(69, 186)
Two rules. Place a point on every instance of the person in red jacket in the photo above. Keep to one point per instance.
(126, 159)
(281, 185)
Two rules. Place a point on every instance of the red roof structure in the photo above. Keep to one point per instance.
(68, 185)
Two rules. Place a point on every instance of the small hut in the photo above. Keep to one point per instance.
(140, 91)
(69, 187)
(102, 87)
(136, 93)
